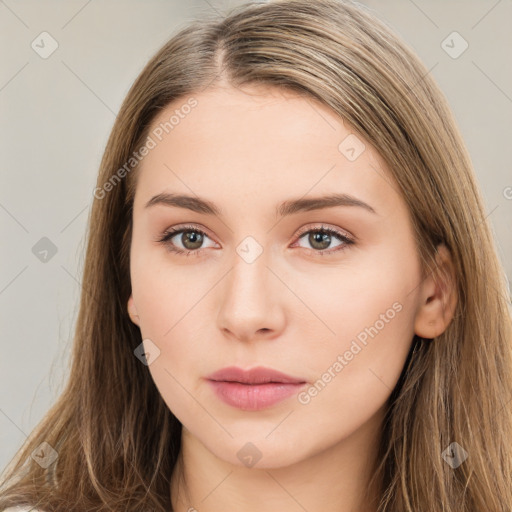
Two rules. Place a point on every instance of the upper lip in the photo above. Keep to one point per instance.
(258, 375)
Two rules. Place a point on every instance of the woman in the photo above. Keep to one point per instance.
(291, 295)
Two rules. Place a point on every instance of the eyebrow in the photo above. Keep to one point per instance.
(290, 207)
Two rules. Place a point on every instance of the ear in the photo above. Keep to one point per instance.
(132, 311)
(438, 297)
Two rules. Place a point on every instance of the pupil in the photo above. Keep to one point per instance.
(318, 238)
(194, 238)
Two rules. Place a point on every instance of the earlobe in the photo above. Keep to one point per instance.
(438, 297)
(132, 311)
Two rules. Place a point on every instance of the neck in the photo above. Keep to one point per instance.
(334, 479)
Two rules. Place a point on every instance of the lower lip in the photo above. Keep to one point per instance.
(254, 397)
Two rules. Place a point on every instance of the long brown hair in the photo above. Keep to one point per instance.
(117, 442)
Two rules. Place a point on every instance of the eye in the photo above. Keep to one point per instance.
(191, 240)
(321, 238)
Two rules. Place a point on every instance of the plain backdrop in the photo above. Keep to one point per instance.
(56, 114)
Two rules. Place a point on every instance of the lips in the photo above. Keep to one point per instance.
(254, 389)
(258, 375)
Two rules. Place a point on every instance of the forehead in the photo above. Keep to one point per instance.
(260, 143)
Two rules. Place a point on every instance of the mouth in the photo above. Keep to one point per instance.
(254, 397)
(255, 389)
(257, 375)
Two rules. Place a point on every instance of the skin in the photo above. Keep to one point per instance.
(292, 309)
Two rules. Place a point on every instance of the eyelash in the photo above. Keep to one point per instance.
(170, 233)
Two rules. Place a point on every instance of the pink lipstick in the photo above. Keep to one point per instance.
(254, 389)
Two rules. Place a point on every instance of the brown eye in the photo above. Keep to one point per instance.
(194, 238)
(184, 240)
(321, 238)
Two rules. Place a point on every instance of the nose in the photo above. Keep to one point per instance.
(251, 301)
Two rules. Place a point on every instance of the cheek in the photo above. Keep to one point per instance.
(171, 303)
(371, 310)
(372, 304)
(171, 315)
(165, 294)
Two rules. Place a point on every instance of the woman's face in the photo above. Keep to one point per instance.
(263, 286)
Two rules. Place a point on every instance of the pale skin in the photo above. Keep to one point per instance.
(291, 309)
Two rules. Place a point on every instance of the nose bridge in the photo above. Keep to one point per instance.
(249, 301)
(248, 283)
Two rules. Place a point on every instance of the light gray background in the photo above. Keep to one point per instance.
(56, 114)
